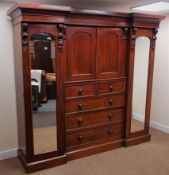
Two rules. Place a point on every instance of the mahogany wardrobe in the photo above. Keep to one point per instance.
(83, 81)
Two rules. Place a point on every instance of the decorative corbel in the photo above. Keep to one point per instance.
(61, 35)
(24, 34)
(133, 37)
(153, 43)
(125, 33)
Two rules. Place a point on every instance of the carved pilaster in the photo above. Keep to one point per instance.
(125, 33)
(133, 37)
(153, 43)
(24, 34)
(61, 35)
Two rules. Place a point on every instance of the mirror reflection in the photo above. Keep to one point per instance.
(140, 78)
(43, 84)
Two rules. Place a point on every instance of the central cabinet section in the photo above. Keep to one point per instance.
(95, 53)
(95, 85)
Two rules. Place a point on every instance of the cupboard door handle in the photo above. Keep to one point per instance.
(80, 92)
(111, 88)
(80, 121)
(109, 131)
(110, 102)
(80, 138)
(80, 106)
(110, 116)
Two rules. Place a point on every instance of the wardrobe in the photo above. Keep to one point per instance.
(83, 81)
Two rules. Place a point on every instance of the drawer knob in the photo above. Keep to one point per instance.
(80, 121)
(111, 88)
(109, 131)
(80, 92)
(80, 138)
(110, 116)
(110, 102)
(80, 106)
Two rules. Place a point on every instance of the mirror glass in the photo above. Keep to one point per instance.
(140, 77)
(43, 84)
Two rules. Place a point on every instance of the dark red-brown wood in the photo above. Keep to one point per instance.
(75, 106)
(94, 63)
(151, 35)
(79, 121)
(111, 56)
(81, 43)
(95, 134)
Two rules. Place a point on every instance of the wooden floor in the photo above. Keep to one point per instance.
(151, 158)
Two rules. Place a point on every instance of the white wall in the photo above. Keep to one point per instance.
(160, 96)
(8, 124)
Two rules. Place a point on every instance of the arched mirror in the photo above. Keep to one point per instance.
(140, 80)
(43, 84)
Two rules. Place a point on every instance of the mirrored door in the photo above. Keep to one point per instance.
(140, 81)
(42, 53)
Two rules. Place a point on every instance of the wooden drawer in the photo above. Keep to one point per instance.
(94, 118)
(111, 87)
(94, 103)
(95, 134)
(80, 90)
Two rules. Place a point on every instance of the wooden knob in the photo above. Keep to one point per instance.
(109, 131)
(111, 88)
(80, 92)
(80, 106)
(110, 116)
(80, 121)
(80, 138)
(60, 35)
(110, 102)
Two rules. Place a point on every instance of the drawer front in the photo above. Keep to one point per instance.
(94, 103)
(95, 134)
(111, 87)
(80, 90)
(89, 119)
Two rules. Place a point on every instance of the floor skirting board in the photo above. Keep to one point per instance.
(159, 126)
(138, 117)
(155, 125)
(8, 153)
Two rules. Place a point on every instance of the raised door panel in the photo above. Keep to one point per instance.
(111, 49)
(81, 43)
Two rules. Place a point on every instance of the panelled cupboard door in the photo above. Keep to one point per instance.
(111, 53)
(81, 43)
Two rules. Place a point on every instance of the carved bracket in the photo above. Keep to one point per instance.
(61, 35)
(24, 34)
(133, 37)
(125, 33)
(153, 43)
